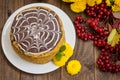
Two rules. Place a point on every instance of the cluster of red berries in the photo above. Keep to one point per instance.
(91, 29)
(98, 11)
(94, 24)
(108, 59)
(82, 30)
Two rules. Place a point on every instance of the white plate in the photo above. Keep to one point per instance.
(28, 66)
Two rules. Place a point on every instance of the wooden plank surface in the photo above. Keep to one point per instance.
(85, 52)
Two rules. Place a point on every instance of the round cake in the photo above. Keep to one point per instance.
(37, 34)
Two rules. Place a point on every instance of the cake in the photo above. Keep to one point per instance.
(37, 34)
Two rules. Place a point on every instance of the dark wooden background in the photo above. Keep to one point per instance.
(85, 52)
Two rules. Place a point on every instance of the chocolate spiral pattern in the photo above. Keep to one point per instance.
(36, 30)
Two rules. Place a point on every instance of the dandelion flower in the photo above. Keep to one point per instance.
(98, 1)
(108, 2)
(73, 67)
(115, 8)
(78, 6)
(68, 51)
(65, 52)
(61, 62)
(117, 2)
(91, 2)
(71, 0)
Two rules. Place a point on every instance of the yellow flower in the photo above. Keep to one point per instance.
(65, 55)
(78, 6)
(62, 61)
(68, 51)
(71, 0)
(115, 8)
(98, 1)
(108, 2)
(117, 2)
(91, 2)
(73, 67)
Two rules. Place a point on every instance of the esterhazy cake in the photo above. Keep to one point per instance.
(37, 34)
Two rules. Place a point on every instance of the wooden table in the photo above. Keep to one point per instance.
(85, 52)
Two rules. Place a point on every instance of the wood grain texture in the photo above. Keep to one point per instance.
(85, 52)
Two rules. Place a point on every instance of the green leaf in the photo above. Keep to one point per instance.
(62, 48)
(58, 56)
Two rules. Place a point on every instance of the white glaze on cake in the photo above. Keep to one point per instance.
(36, 30)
